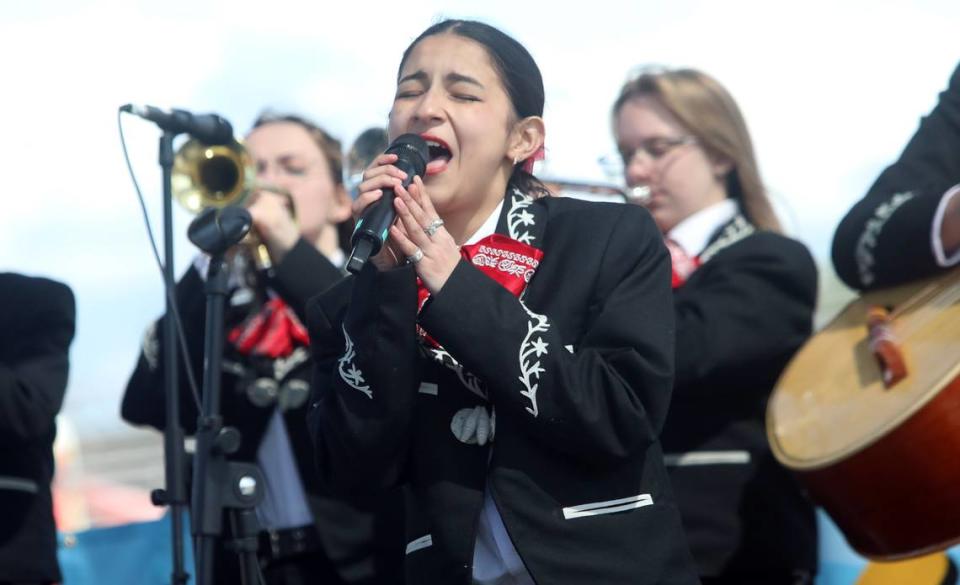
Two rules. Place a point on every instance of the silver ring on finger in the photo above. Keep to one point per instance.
(431, 229)
(416, 256)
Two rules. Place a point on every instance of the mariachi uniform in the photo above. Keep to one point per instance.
(741, 314)
(37, 319)
(892, 235)
(265, 386)
(521, 409)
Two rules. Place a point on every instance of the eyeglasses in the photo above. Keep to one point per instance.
(656, 148)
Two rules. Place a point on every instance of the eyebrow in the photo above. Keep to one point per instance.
(286, 159)
(460, 78)
(421, 76)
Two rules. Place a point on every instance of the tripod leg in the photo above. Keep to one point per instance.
(244, 525)
(205, 550)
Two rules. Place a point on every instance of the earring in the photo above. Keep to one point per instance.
(514, 161)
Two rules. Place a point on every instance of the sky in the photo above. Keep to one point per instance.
(831, 92)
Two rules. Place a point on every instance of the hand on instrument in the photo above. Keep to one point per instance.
(274, 223)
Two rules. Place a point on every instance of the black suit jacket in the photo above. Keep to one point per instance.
(578, 375)
(885, 239)
(347, 531)
(740, 317)
(37, 319)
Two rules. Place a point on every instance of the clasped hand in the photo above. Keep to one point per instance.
(417, 235)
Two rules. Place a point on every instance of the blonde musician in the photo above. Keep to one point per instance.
(744, 297)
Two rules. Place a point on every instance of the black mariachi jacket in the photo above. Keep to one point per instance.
(577, 373)
(885, 239)
(37, 318)
(303, 273)
(346, 531)
(740, 318)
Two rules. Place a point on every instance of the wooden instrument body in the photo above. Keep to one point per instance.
(884, 463)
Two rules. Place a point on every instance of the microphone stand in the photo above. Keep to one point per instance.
(232, 485)
(218, 484)
(174, 493)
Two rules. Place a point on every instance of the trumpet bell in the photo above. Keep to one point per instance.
(212, 176)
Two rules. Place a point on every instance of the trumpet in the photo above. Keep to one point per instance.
(217, 176)
(597, 191)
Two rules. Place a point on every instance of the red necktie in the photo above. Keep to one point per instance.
(505, 260)
(273, 332)
(683, 264)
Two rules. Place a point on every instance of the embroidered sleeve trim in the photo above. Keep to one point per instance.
(867, 242)
(420, 543)
(693, 458)
(18, 484)
(608, 507)
(349, 372)
(532, 347)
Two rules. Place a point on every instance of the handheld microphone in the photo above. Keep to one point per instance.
(374, 225)
(208, 128)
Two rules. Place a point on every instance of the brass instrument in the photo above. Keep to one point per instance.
(597, 191)
(217, 176)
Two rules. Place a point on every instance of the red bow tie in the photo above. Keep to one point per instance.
(273, 332)
(683, 264)
(505, 260)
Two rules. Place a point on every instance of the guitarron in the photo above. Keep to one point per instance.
(868, 417)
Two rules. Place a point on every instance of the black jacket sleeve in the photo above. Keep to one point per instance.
(302, 273)
(143, 401)
(362, 335)
(39, 319)
(606, 400)
(751, 304)
(885, 239)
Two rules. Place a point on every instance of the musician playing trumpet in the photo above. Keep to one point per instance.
(298, 202)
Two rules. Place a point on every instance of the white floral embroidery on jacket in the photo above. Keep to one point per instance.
(349, 371)
(470, 381)
(871, 230)
(519, 216)
(531, 349)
